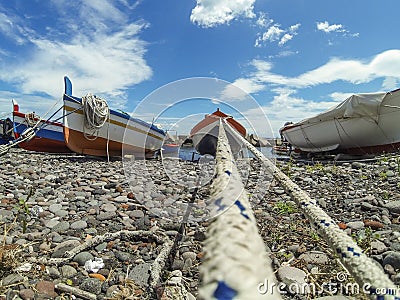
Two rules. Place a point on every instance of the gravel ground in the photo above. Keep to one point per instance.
(58, 213)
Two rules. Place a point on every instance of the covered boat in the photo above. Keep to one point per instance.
(48, 137)
(92, 128)
(361, 124)
(205, 133)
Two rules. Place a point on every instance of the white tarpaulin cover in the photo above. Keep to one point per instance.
(359, 105)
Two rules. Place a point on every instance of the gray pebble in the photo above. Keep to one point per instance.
(61, 227)
(140, 274)
(68, 271)
(79, 225)
(106, 216)
(91, 285)
(83, 257)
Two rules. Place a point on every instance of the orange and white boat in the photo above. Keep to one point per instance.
(205, 133)
(105, 132)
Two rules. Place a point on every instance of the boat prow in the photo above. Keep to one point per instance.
(205, 133)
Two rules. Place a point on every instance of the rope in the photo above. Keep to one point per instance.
(362, 268)
(232, 268)
(28, 134)
(30, 119)
(96, 111)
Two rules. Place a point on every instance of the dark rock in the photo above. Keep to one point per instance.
(123, 256)
(83, 257)
(91, 285)
(393, 259)
(27, 294)
(140, 274)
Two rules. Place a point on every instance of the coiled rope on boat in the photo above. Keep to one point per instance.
(235, 260)
(96, 114)
(32, 119)
(364, 269)
(96, 111)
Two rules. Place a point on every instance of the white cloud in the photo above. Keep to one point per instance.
(263, 21)
(286, 37)
(98, 57)
(339, 97)
(324, 26)
(385, 66)
(276, 33)
(272, 34)
(211, 13)
(338, 28)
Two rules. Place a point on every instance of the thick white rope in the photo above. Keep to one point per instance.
(96, 111)
(30, 119)
(235, 261)
(28, 134)
(365, 270)
(96, 114)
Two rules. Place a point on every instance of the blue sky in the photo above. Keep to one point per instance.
(295, 58)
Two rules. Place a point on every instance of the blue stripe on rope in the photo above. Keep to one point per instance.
(242, 209)
(325, 223)
(224, 291)
(219, 205)
(350, 249)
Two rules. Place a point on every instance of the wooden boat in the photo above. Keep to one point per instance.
(361, 124)
(281, 150)
(119, 134)
(6, 131)
(205, 133)
(49, 135)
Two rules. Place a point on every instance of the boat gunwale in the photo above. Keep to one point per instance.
(49, 122)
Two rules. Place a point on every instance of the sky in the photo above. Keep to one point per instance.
(293, 58)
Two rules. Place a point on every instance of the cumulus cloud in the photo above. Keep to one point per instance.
(263, 20)
(100, 50)
(211, 13)
(384, 66)
(275, 33)
(285, 106)
(338, 28)
(324, 26)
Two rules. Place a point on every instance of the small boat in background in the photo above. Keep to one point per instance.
(6, 131)
(92, 128)
(361, 124)
(205, 133)
(49, 136)
(281, 150)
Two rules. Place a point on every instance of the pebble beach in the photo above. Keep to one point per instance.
(75, 225)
